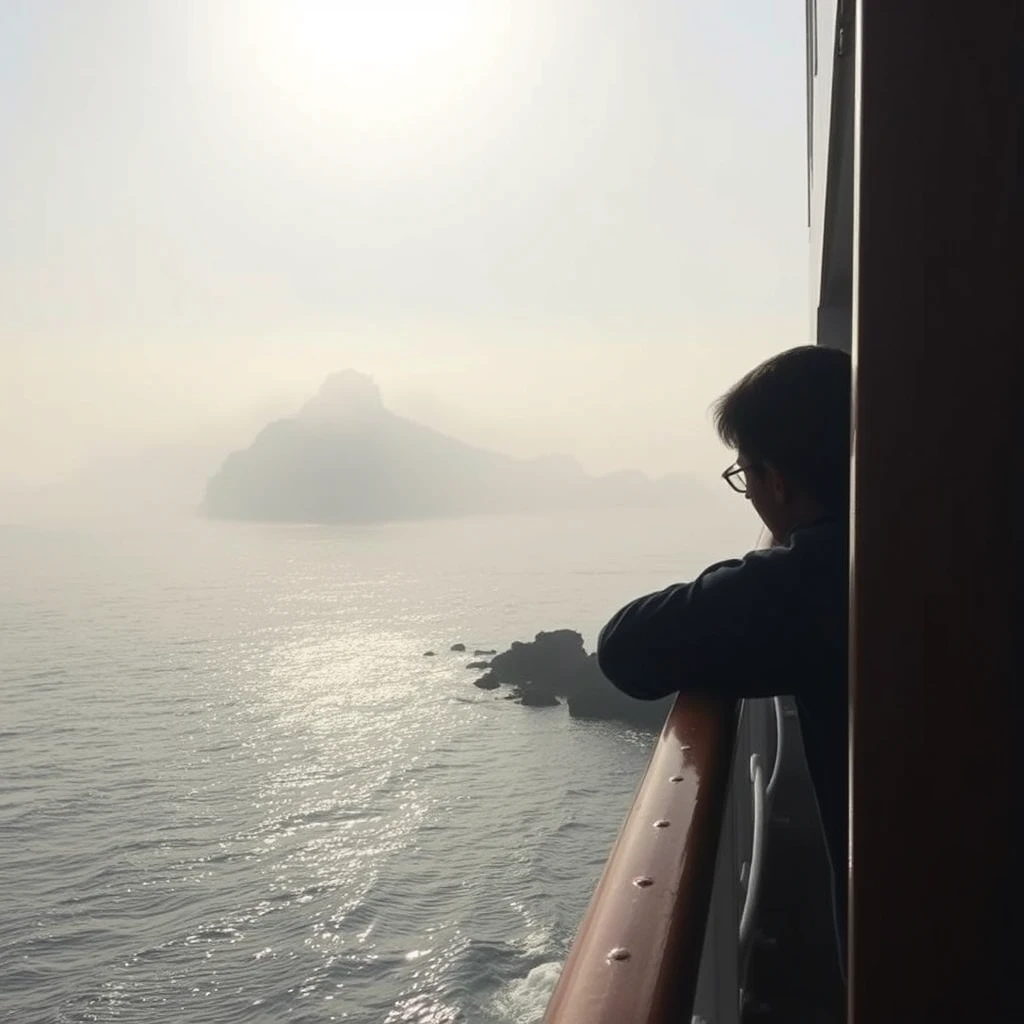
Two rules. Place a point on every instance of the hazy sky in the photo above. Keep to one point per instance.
(541, 224)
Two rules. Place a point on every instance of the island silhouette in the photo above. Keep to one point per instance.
(345, 458)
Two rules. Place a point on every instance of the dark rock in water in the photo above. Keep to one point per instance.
(477, 654)
(428, 654)
(534, 698)
(479, 664)
(593, 696)
(457, 647)
(547, 663)
(555, 664)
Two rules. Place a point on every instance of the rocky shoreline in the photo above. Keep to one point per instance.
(555, 667)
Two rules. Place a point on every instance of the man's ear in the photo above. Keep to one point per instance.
(776, 484)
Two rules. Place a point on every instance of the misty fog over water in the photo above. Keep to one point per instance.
(533, 240)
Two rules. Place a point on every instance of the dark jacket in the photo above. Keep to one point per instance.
(772, 623)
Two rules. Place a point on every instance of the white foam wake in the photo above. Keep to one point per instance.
(523, 1000)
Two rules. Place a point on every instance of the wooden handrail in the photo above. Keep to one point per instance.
(636, 956)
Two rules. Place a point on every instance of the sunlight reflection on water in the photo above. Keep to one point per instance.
(236, 791)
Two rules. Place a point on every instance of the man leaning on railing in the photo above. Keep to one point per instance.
(775, 621)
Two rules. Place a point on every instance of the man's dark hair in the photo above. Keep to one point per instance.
(793, 411)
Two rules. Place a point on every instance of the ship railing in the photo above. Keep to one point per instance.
(637, 953)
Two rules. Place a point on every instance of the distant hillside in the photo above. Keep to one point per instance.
(346, 458)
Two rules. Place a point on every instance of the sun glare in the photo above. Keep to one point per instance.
(357, 84)
(376, 36)
(318, 50)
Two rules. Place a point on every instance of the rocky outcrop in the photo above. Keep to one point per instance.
(457, 647)
(548, 662)
(534, 698)
(555, 664)
(593, 696)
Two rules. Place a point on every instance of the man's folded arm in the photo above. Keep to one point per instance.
(728, 633)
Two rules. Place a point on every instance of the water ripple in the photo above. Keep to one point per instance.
(235, 791)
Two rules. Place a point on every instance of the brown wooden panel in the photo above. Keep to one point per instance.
(935, 728)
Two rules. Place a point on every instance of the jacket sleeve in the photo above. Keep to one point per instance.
(732, 632)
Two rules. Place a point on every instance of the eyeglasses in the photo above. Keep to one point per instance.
(736, 477)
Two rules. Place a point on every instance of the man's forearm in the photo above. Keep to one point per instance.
(638, 649)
